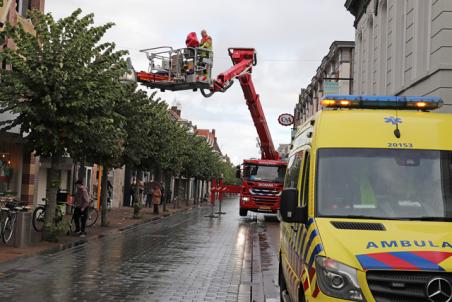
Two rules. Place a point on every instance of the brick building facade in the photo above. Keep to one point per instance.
(18, 168)
(403, 47)
(334, 75)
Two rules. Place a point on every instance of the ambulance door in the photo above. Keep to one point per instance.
(302, 229)
(291, 233)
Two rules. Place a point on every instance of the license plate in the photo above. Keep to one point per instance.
(265, 208)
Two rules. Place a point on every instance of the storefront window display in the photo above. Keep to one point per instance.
(6, 175)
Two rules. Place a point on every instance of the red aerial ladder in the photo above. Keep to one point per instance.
(190, 68)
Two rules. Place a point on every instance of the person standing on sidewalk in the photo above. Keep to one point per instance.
(81, 208)
(156, 198)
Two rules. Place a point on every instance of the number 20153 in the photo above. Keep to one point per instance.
(400, 145)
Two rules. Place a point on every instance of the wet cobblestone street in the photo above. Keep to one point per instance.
(185, 257)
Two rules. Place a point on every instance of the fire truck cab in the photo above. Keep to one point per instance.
(262, 183)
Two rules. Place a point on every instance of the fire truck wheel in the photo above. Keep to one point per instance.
(243, 212)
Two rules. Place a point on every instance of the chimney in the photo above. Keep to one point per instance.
(175, 110)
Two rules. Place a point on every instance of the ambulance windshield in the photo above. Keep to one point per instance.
(264, 173)
(384, 184)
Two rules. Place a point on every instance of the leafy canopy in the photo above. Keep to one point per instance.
(63, 86)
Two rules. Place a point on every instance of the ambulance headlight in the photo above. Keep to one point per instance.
(245, 199)
(337, 280)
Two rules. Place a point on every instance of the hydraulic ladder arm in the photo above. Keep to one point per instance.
(244, 59)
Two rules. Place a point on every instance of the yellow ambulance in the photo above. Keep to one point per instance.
(366, 208)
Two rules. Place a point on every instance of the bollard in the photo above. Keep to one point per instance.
(220, 197)
(212, 199)
(22, 230)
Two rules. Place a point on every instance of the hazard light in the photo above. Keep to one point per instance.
(381, 102)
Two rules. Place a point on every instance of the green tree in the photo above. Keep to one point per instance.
(61, 91)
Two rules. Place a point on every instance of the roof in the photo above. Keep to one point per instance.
(210, 137)
(265, 162)
(374, 128)
(202, 132)
(334, 47)
(357, 8)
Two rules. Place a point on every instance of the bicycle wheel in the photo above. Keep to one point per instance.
(71, 226)
(39, 218)
(93, 214)
(8, 228)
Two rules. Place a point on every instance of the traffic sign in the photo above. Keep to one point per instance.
(285, 119)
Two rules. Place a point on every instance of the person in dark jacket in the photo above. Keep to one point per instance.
(81, 208)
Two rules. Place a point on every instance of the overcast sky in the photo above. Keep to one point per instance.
(291, 38)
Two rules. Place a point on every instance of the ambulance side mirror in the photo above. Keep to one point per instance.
(289, 209)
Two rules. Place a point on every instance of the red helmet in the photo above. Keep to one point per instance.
(192, 40)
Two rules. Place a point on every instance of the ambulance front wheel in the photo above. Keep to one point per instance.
(281, 283)
(243, 212)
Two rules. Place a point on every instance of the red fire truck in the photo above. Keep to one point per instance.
(190, 68)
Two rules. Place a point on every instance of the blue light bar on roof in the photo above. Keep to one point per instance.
(381, 102)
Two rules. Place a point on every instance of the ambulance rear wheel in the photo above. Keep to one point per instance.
(243, 212)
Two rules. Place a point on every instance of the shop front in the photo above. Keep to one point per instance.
(11, 166)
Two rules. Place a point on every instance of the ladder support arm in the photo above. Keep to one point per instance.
(244, 59)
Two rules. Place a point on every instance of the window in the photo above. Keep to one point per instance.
(268, 173)
(22, 6)
(384, 183)
(305, 185)
(293, 171)
(293, 175)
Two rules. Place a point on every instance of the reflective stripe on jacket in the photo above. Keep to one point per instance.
(206, 43)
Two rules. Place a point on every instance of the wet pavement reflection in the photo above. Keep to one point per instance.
(186, 257)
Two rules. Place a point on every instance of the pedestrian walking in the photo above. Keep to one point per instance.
(156, 198)
(81, 208)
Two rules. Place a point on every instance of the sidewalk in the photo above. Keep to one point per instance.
(119, 219)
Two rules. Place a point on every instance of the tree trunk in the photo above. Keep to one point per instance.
(49, 232)
(176, 191)
(167, 184)
(202, 191)
(158, 174)
(103, 197)
(81, 172)
(136, 198)
(187, 191)
(127, 187)
(195, 191)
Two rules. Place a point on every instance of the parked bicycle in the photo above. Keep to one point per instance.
(8, 219)
(39, 215)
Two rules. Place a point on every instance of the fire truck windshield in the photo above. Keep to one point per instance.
(264, 173)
